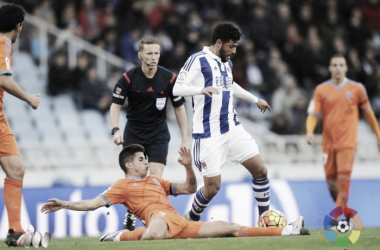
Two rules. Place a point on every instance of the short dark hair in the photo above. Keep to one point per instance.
(128, 153)
(225, 32)
(337, 55)
(10, 16)
(148, 40)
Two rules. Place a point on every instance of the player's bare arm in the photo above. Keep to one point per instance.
(10, 86)
(114, 117)
(209, 91)
(263, 106)
(190, 186)
(85, 205)
(309, 138)
(180, 113)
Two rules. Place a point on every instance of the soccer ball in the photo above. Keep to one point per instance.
(272, 219)
(342, 226)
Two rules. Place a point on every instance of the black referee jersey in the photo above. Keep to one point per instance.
(147, 97)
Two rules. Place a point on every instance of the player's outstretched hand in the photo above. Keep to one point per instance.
(52, 206)
(309, 138)
(34, 101)
(263, 106)
(184, 157)
(118, 137)
(209, 91)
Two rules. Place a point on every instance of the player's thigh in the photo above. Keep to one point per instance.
(8, 145)
(244, 149)
(209, 154)
(191, 231)
(345, 160)
(158, 229)
(329, 164)
(217, 229)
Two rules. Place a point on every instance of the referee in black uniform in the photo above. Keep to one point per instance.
(147, 88)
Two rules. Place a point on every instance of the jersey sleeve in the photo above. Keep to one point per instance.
(120, 91)
(169, 187)
(177, 101)
(315, 106)
(363, 100)
(115, 194)
(5, 54)
(186, 83)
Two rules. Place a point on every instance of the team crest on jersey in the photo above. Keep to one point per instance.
(348, 95)
(160, 103)
(118, 90)
(204, 165)
(182, 76)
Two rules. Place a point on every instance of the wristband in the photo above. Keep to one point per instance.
(114, 130)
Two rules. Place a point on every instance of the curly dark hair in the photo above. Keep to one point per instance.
(225, 32)
(10, 16)
(127, 154)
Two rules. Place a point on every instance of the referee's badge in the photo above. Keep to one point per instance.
(160, 103)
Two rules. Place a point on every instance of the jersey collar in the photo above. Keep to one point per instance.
(207, 50)
(341, 85)
(135, 178)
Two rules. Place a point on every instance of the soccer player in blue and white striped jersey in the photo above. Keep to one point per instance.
(217, 132)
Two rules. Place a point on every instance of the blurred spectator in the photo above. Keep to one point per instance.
(45, 12)
(371, 14)
(370, 67)
(358, 34)
(79, 73)
(129, 45)
(355, 70)
(91, 19)
(94, 92)
(158, 13)
(259, 29)
(279, 21)
(58, 75)
(305, 17)
(69, 20)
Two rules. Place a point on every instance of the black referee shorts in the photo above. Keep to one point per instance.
(154, 139)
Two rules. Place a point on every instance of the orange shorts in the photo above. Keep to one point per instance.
(8, 145)
(338, 162)
(178, 227)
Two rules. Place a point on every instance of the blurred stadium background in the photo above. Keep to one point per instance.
(73, 52)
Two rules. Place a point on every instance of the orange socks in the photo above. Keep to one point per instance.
(132, 235)
(12, 199)
(259, 231)
(343, 190)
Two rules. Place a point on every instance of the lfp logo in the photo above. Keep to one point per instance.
(332, 222)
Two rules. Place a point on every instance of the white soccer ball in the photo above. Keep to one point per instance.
(342, 226)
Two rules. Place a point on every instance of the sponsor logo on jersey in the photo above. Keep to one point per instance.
(204, 165)
(160, 103)
(223, 82)
(135, 184)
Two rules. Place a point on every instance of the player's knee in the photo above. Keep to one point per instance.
(17, 172)
(153, 235)
(211, 191)
(261, 172)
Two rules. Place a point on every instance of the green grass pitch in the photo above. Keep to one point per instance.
(369, 239)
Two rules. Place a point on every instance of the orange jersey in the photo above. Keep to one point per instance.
(339, 108)
(143, 197)
(6, 51)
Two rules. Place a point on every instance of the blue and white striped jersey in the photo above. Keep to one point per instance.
(214, 115)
